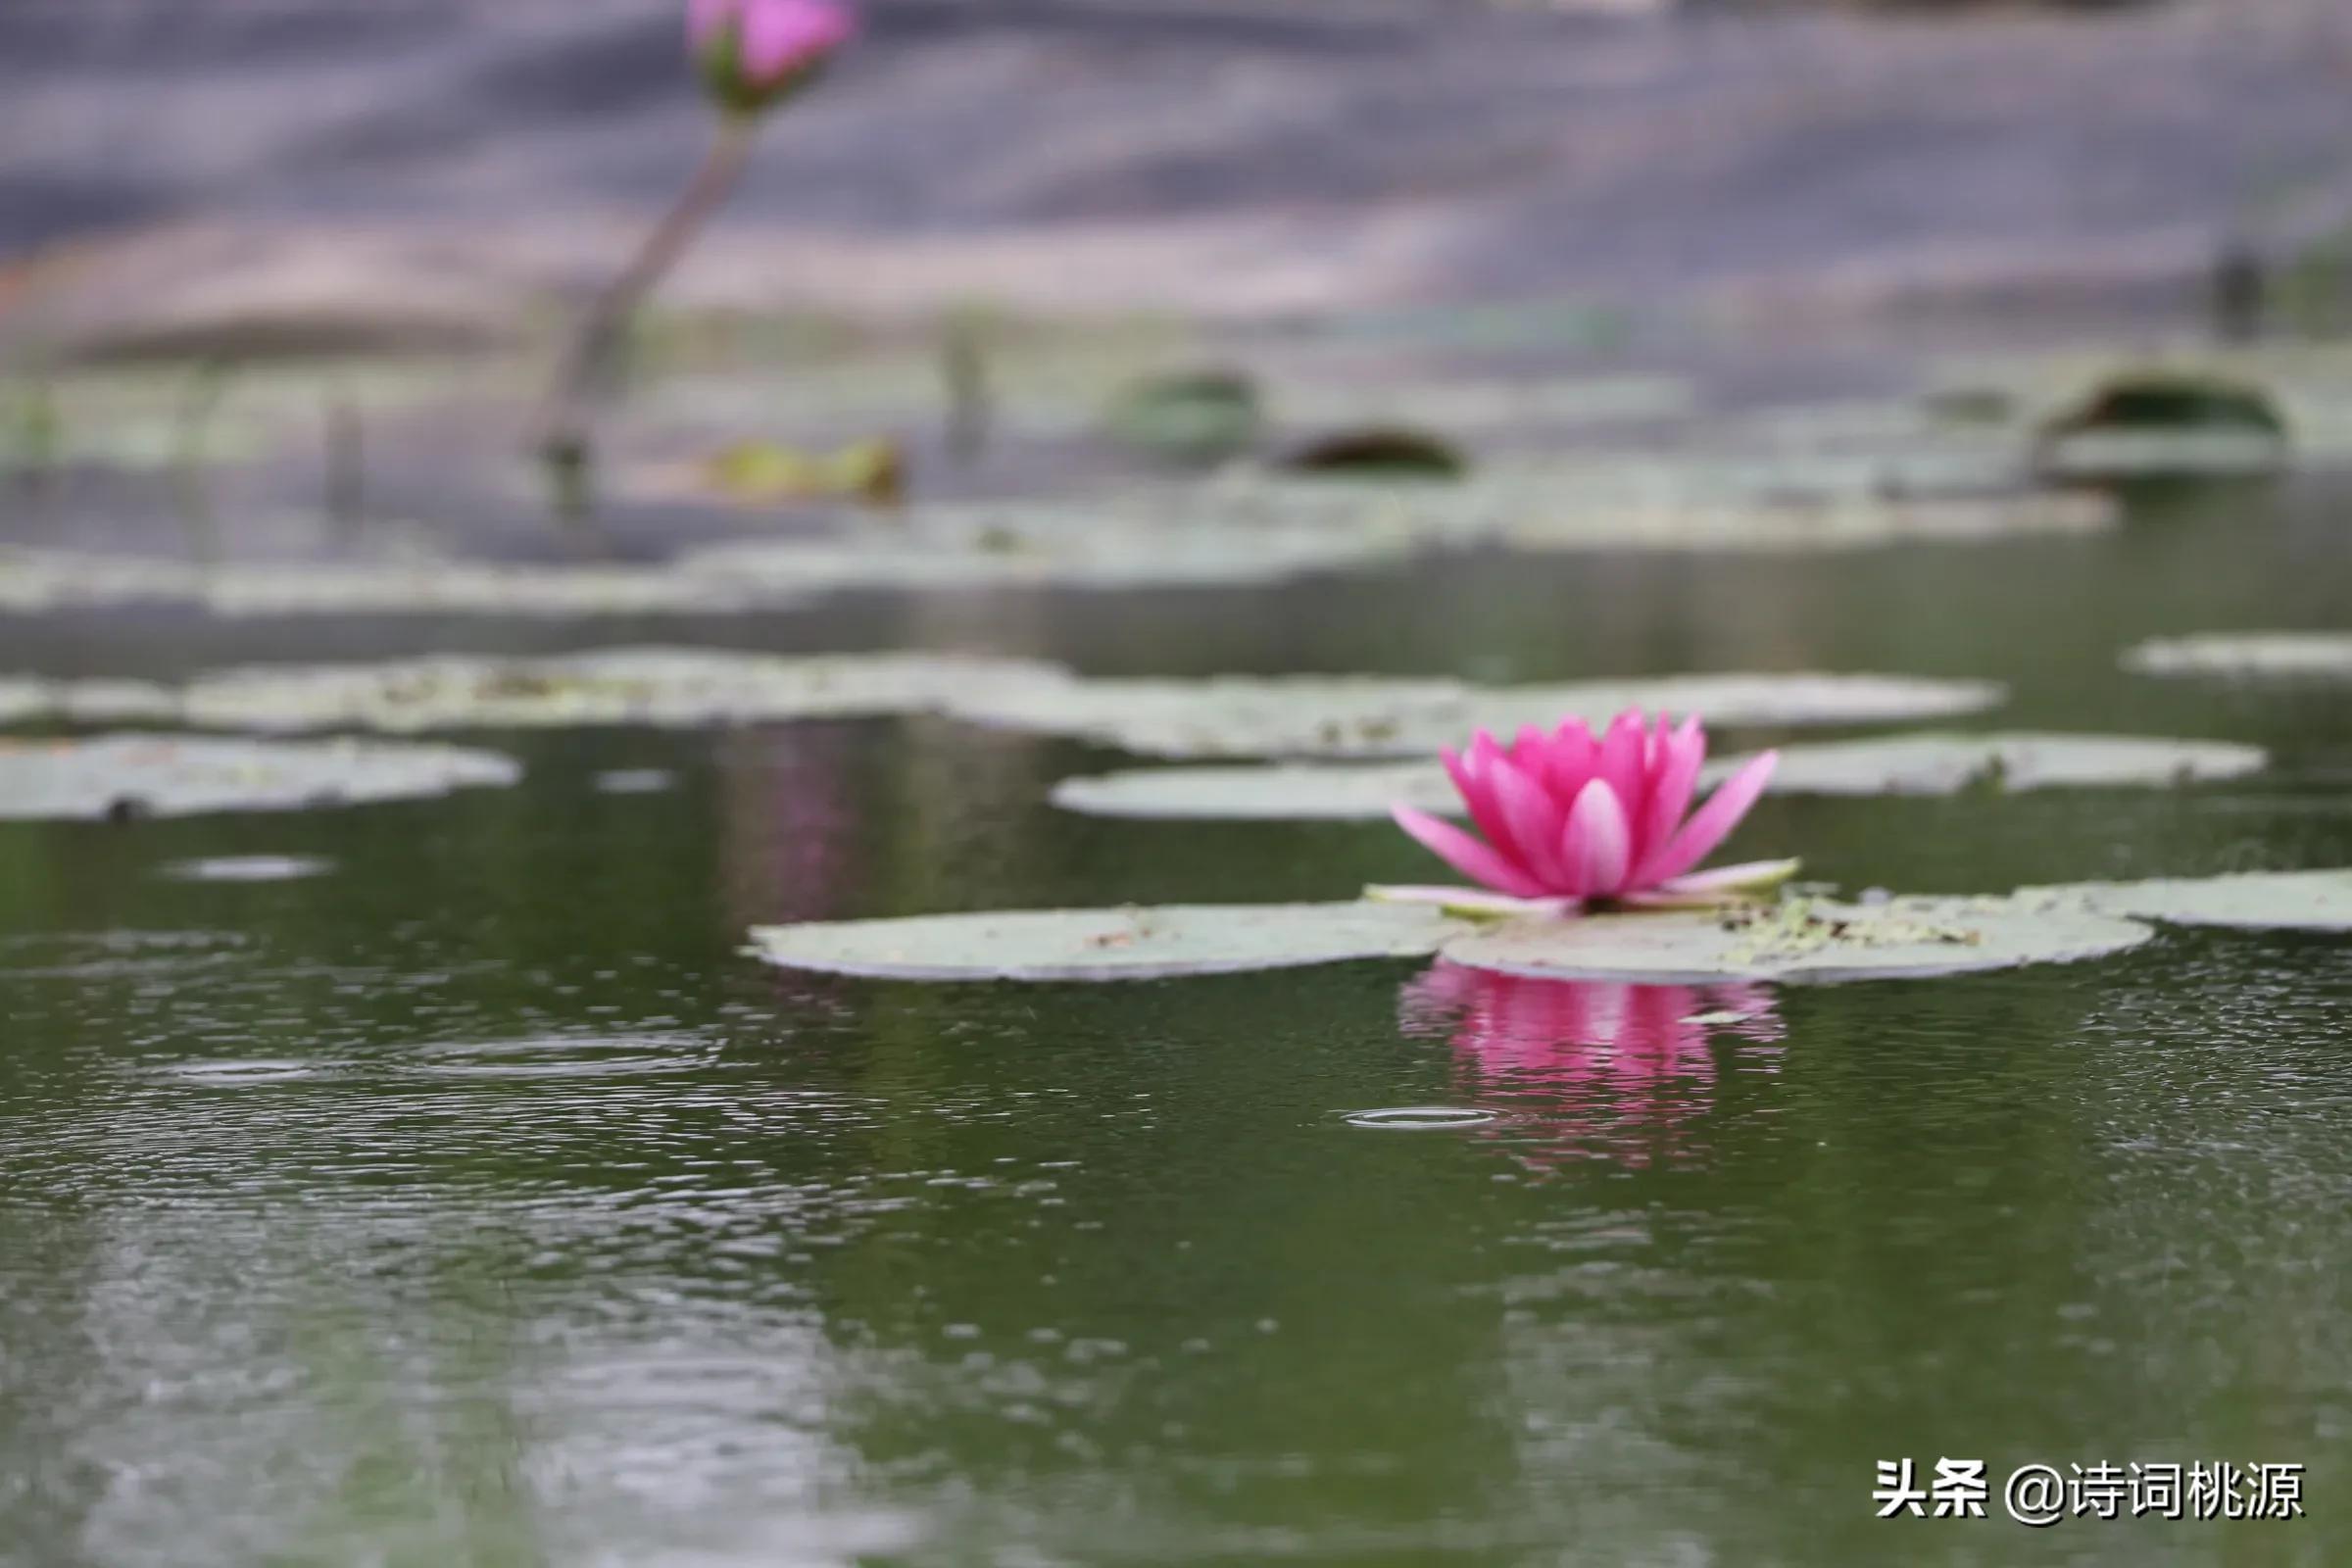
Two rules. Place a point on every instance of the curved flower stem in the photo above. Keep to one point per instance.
(563, 436)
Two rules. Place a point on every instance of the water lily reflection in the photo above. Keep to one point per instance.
(1602, 1067)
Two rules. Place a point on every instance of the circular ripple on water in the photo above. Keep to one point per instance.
(1420, 1118)
(562, 1056)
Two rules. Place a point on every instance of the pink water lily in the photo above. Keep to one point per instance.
(754, 53)
(1569, 817)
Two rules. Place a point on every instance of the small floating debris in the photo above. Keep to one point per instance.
(635, 781)
(1420, 1118)
(248, 869)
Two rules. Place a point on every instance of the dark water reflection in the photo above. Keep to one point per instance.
(477, 1200)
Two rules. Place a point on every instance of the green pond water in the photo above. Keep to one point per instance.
(477, 1203)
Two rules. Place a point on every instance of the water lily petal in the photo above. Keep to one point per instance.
(1467, 855)
(1473, 781)
(1596, 846)
(1534, 820)
(1475, 904)
(1619, 764)
(1681, 753)
(1568, 759)
(1713, 822)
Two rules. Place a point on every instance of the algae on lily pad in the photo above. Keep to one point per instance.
(1115, 944)
(1801, 939)
(125, 777)
(2252, 655)
(2277, 900)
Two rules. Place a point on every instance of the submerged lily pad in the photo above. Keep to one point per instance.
(126, 776)
(1802, 939)
(1120, 943)
(663, 686)
(1897, 764)
(2252, 655)
(2283, 901)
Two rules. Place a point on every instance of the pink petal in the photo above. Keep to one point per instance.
(1674, 777)
(1568, 759)
(1467, 855)
(1595, 847)
(1533, 820)
(1713, 822)
(1620, 762)
(1476, 786)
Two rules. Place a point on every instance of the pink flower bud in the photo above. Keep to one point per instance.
(754, 54)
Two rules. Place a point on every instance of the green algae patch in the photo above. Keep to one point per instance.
(1802, 939)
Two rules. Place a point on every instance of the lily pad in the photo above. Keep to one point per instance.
(126, 776)
(1195, 416)
(662, 686)
(1337, 716)
(1119, 944)
(2166, 421)
(1946, 763)
(1378, 452)
(1897, 764)
(1297, 792)
(2252, 655)
(1803, 941)
(2281, 900)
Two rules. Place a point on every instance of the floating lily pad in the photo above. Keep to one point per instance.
(1188, 417)
(1944, 764)
(1121, 943)
(2285, 900)
(128, 776)
(1368, 716)
(1487, 404)
(1298, 792)
(2253, 655)
(663, 686)
(1897, 764)
(1378, 452)
(1792, 700)
(2165, 422)
(1802, 939)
